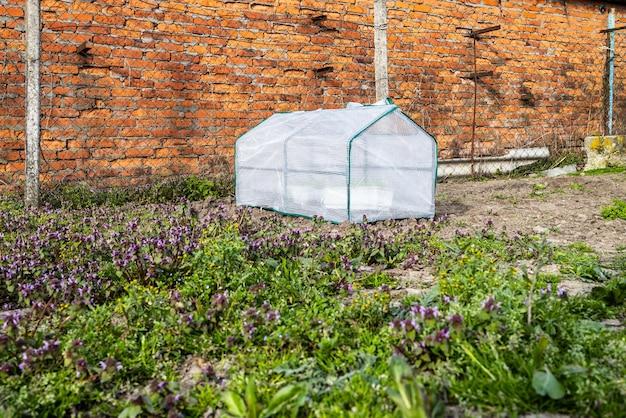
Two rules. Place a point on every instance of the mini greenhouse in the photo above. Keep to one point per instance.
(343, 165)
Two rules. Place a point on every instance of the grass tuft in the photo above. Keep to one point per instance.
(617, 210)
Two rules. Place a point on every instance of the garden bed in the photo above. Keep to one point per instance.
(203, 309)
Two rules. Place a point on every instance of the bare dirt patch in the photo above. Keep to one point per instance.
(411, 282)
(566, 209)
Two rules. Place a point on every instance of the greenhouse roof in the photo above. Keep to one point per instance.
(340, 124)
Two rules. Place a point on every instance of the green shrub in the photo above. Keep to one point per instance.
(80, 195)
(617, 210)
(580, 260)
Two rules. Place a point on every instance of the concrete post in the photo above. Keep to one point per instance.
(31, 195)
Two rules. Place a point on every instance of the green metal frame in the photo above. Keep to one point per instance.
(348, 191)
(436, 150)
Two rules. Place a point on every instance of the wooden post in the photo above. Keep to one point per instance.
(380, 49)
(31, 195)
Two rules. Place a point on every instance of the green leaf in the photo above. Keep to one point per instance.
(130, 412)
(406, 392)
(283, 398)
(251, 400)
(545, 383)
(270, 262)
(234, 404)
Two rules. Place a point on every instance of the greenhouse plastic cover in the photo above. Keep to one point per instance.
(353, 164)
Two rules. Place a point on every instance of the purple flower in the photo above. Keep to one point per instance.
(81, 364)
(490, 305)
(547, 290)
(251, 313)
(5, 368)
(404, 325)
(249, 329)
(158, 385)
(171, 401)
(81, 367)
(561, 292)
(219, 301)
(442, 335)
(346, 263)
(186, 319)
(110, 364)
(456, 320)
(11, 320)
(347, 287)
(272, 316)
(426, 313)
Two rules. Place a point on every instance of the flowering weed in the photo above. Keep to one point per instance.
(155, 308)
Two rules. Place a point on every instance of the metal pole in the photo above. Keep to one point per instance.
(475, 105)
(380, 50)
(611, 71)
(31, 193)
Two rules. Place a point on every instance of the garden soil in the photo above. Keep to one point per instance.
(565, 209)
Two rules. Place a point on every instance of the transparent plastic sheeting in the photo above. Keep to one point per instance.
(343, 165)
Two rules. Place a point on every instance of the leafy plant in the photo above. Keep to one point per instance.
(82, 196)
(580, 260)
(545, 384)
(406, 392)
(289, 398)
(617, 210)
(539, 189)
(600, 171)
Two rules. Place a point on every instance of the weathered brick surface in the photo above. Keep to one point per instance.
(166, 87)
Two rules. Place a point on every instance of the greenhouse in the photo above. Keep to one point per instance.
(354, 164)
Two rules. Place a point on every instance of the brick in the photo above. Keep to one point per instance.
(139, 152)
(73, 154)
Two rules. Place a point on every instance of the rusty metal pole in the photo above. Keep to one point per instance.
(475, 105)
(474, 34)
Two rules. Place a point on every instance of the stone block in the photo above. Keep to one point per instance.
(605, 151)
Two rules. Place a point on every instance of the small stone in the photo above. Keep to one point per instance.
(560, 171)
(577, 287)
(552, 269)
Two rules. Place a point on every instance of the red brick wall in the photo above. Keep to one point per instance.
(167, 86)
(548, 63)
